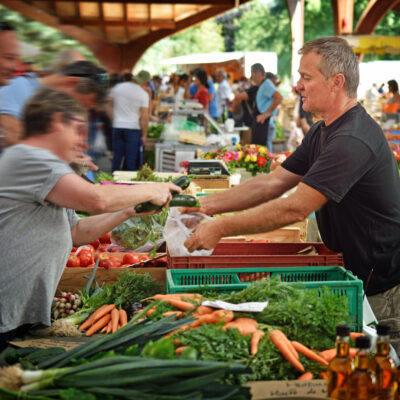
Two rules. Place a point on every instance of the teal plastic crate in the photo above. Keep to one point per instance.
(337, 279)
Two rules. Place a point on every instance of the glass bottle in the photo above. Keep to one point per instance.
(362, 381)
(340, 366)
(384, 366)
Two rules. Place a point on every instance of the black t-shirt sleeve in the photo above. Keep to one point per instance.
(341, 164)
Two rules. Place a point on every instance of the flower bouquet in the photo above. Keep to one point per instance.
(396, 153)
(253, 158)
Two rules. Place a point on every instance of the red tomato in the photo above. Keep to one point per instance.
(96, 243)
(73, 261)
(74, 249)
(90, 265)
(101, 256)
(105, 238)
(143, 257)
(115, 262)
(85, 257)
(102, 247)
(90, 247)
(130, 258)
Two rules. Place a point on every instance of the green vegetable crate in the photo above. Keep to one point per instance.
(336, 278)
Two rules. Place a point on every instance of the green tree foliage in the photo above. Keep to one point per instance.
(203, 38)
(49, 40)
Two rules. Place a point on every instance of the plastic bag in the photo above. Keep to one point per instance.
(178, 228)
(141, 234)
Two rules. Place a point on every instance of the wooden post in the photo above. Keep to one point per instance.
(296, 15)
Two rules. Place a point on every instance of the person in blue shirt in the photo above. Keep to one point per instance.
(267, 99)
(213, 105)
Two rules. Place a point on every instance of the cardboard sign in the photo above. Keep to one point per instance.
(265, 390)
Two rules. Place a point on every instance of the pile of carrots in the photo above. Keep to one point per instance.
(106, 319)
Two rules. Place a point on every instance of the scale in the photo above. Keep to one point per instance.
(207, 167)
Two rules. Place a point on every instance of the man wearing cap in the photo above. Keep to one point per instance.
(224, 92)
(130, 105)
(83, 80)
(9, 53)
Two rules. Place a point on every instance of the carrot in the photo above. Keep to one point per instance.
(276, 339)
(328, 354)
(245, 328)
(152, 309)
(101, 312)
(176, 313)
(201, 310)
(180, 350)
(323, 375)
(177, 342)
(255, 339)
(104, 330)
(114, 320)
(288, 343)
(355, 335)
(109, 327)
(309, 353)
(98, 324)
(179, 304)
(352, 352)
(223, 315)
(307, 376)
(87, 324)
(123, 317)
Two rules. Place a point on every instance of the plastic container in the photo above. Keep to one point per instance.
(336, 278)
(253, 254)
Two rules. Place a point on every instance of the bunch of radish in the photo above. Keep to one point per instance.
(65, 305)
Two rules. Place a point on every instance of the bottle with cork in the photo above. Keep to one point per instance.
(362, 383)
(384, 366)
(340, 366)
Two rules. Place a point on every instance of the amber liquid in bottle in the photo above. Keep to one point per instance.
(339, 370)
(385, 370)
(362, 381)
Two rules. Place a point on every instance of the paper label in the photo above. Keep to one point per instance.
(243, 307)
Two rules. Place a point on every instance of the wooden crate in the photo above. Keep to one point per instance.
(209, 182)
(72, 278)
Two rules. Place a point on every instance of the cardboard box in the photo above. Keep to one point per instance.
(266, 390)
(211, 182)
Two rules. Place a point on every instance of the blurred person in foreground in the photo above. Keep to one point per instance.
(38, 193)
(344, 170)
(9, 54)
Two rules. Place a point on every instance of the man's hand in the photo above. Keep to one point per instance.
(262, 117)
(86, 161)
(144, 140)
(206, 236)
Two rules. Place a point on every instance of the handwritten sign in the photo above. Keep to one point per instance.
(45, 343)
(266, 390)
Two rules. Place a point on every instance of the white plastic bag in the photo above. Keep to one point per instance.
(178, 228)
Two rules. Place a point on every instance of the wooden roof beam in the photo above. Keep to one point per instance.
(130, 23)
(230, 3)
(373, 14)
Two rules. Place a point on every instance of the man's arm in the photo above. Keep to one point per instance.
(238, 100)
(144, 121)
(12, 129)
(264, 218)
(250, 194)
(276, 100)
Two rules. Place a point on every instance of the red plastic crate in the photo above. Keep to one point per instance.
(253, 254)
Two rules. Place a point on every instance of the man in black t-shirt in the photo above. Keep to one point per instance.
(344, 171)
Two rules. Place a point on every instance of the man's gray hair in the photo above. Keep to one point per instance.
(337, 57)
(223, 73)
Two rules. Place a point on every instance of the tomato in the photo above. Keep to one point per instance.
(90, 265)
(130, 258)
(102, 247)
(105, 238)
(143, 257)
(101, 256)
(73, 261)
(90, 247)
(95, 244)
(74, 249)
(85, 257)
(115, 262)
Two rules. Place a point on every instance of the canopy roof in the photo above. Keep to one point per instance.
(118, 32)
(366, 44)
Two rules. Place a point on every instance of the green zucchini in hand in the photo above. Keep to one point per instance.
(183, 182)
(179, 200)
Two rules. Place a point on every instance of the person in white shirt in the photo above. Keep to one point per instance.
(130, 105)
(224, 92)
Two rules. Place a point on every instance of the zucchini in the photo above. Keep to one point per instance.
(178, 200)
(184, 200)
(183, 182)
